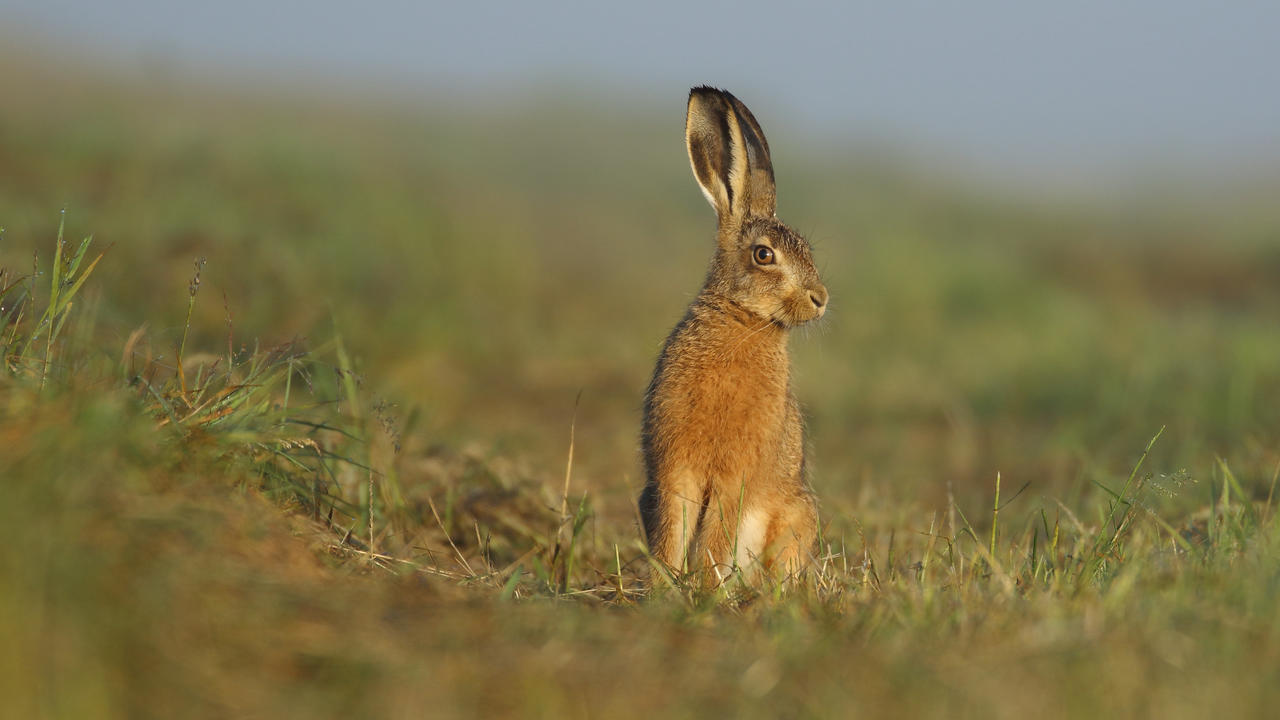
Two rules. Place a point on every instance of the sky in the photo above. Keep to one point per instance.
(1012, 84)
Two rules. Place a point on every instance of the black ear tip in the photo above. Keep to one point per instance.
(707, 91)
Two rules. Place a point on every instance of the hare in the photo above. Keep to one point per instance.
(723, 438)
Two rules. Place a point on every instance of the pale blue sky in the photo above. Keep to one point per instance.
(1017, 84)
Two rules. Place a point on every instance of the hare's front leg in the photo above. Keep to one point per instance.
(671, 510)
(717, 545)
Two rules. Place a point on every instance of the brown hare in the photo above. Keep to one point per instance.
(723, 437)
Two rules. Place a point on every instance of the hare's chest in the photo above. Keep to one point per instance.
(735, 423)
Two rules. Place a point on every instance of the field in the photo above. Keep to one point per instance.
(344, 421)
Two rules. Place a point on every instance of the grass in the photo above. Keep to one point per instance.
(374, 455)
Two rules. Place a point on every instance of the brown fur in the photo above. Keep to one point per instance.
(723, 436)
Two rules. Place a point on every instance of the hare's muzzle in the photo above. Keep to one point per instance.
(818, 296)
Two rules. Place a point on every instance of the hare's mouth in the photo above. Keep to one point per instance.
(787, 319)
(811, 315)
(801, 309)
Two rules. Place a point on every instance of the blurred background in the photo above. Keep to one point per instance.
(1047, 231)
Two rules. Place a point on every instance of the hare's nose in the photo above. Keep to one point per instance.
(818, 297)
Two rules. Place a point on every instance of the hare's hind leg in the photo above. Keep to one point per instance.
(791, 535)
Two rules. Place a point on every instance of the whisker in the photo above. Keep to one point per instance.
(727, 352)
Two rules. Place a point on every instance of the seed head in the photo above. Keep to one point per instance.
(194, 285)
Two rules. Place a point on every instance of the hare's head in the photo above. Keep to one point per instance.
(760, 263)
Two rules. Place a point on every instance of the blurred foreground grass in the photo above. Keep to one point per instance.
(350, 500)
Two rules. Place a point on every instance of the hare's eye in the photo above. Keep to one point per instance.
(763, 255)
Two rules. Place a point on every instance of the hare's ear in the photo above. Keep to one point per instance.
(761, 195)
(729, 155)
